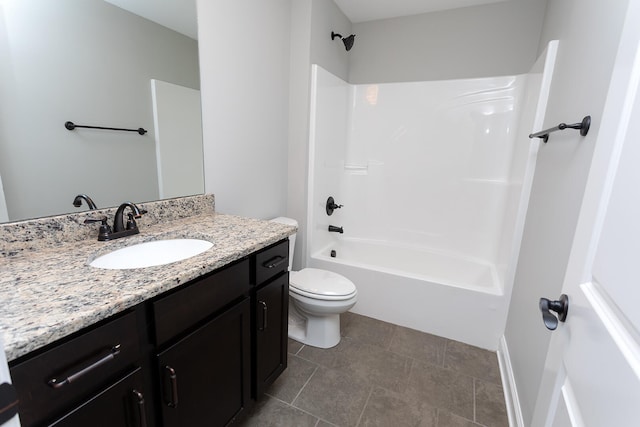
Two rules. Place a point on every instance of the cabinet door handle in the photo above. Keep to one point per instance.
(264, 315)
(173, 380)
(141, 410)
(80, 372)
(274, 262)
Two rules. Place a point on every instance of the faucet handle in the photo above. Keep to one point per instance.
(102, 219)
(105, 229)
(131, 221)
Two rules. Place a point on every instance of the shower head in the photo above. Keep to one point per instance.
(348, 41)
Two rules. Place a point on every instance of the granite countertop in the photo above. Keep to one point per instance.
(52, 292)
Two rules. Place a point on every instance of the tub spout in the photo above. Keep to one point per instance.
(335, 229)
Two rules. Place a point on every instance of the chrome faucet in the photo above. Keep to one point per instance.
(77, 202)
(119, 228)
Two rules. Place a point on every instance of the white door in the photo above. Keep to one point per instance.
(594, 356)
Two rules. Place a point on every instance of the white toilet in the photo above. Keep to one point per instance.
(316, 300)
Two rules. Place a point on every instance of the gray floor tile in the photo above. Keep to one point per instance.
(369, 330)
(334, 396)
(442, 388)
(447, 419)
(345, 318)
(378, 366)
(294, 346)
(270, 412)
(386, 408)
(324, 356)
(289, 384)
(322, 423)
(385, 375)
(372, 363)
(472, 361)
(490, 405)
(419, 345)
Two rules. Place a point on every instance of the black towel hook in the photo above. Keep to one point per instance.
(583, 126)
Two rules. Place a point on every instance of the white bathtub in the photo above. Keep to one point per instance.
(454, 297)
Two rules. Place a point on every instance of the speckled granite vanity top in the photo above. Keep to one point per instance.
(48, 290)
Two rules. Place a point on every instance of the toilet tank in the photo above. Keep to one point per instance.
(292, 238)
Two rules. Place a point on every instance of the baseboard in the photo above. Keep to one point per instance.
(514, 411)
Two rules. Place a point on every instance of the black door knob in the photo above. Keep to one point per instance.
(561, 307)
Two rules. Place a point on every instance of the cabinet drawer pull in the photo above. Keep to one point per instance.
(141, 410)
(111, 354)
(264, 315)
(173, 380)
(274, 262)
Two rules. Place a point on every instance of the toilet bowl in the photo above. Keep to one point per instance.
(316, 300)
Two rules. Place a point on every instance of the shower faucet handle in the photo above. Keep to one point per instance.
(331, 206)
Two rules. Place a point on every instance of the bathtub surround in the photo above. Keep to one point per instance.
(434, 178)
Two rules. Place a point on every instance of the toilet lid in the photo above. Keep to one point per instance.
(321, 283)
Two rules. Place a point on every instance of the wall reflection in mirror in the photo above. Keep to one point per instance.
(92, 63)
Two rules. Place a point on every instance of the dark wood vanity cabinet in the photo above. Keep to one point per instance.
(271, 312)
(271, 330)
(121, 404)
(91, 375)
(204, 355)
(198, 355)
(205, 377)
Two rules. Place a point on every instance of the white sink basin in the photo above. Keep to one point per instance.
(150, 254)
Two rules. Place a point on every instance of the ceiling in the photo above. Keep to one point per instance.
(180, 15)
(371, 10)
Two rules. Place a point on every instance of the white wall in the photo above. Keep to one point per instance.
(330, 54)
(91, 63)
(479, 41)
(589, 33)
(299, 84)
(245, 62)
(311, 24)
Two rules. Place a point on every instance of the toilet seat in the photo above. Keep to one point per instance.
(321, 284)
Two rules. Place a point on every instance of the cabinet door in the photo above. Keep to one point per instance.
(205, 377)
(271, 318)
(120, 405)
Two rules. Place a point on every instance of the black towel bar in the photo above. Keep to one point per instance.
(583, 126)
(72, 126)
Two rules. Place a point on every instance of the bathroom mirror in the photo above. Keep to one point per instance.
(92, 63)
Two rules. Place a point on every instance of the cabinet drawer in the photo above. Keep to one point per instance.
(179, 311)
(121, 404)
(51, 383)
(272, 261)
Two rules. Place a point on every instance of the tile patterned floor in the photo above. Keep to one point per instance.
(387, 376)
